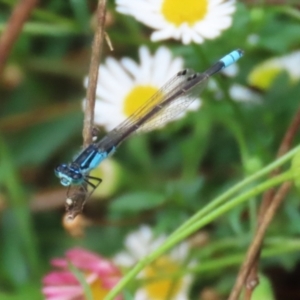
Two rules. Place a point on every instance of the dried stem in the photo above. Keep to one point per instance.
(248, 272)
(13, 28)
(289, 136)
(255, 246)
(269, 195)
(93, 74)
(75, 202)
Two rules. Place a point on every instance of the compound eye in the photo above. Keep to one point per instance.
(57, 170)
(76, 176)
(60, 168)
(65, 181)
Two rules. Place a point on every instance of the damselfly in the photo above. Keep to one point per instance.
(173, 98)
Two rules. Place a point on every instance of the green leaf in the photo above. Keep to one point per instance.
(81, 278)
(264, 290)
(276, 31)
(128, 295)
(19, 250)
(295, 167)
(40, 142)
(81, 13)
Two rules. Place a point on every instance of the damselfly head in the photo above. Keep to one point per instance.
(60, 169)
(68, 175)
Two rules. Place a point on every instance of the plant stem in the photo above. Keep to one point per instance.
(190, 227)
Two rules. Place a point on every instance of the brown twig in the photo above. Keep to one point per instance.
(75, 202)
(269, 195)
(93, 74)
(252, 253)
(13, 28)
(283, 148)
(248, 272)
(290, 135)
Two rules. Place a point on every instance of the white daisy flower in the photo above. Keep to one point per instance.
(237, 92)
(162, 283)
(188, 21)
(231, 71)
(263, 74)
(241, 93)
(124, 86)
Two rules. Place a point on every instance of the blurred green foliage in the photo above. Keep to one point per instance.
(168, 174)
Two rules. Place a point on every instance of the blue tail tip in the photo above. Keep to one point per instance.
(232, 57)
(240, 51)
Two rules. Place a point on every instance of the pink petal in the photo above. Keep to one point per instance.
(89, 261)
(110, 282)
(66, 291)
(81, 255)
(63, 285)
(103, 268)
(59, 262)
(58, 297)
(60, 278)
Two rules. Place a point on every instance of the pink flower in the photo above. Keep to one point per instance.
(100, 274)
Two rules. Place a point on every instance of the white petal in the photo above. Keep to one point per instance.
(161, 64)
(242, 94)
(231, 71)
(141, 294)
(207, 31)
(149, 12)
(180, 252)
(86, 81)
(195, 105)
(124, 10)
(103, 93)
(106, 79)
(145, 234)
(175, 66)
(124, 259)
(135, 243)
(157, 243)
(132, 7)
(146, 63)
(117, 79)
(104, 111)
(214, 3)
(186, 35)
(162, 34)
(118, 72)
(131, 66)
(109, 124)
(196, 37)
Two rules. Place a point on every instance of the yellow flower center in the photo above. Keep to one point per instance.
(187, 11)
(98, 291)
(137, 97)
(166, 287)
(263, 77)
